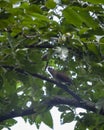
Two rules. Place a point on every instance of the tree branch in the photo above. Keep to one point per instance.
(18, 113)
(50, 102)
(60, 85)
(57, 100)
(44, 45)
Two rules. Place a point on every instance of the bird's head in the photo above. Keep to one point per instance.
(50, 69)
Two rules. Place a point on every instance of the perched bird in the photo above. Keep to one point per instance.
(59, 76)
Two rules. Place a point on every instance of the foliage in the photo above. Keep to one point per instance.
(66, 35)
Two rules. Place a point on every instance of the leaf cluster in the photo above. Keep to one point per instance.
(66, 35)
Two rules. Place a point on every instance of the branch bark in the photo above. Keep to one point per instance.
(60, 85)
(18, 113)
(50, 102)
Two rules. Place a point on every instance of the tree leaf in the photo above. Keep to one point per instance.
(67, 117)
(47, 119)
(95, 1)
(50, 4)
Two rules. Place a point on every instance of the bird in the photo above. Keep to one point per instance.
(60, 76)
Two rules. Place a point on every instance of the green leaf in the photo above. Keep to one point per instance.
(1, 82)
(40, 17)
(38, 121)
(95, 1)
(93, 48)
(50, 4)
(47, 119)
(102, 47)
(24, 5)
(67, 117)
(35, 8)
(87, 19)
(11, 122)
(66, 2)
(78, 16)
(10, 82)
(72, 17)
(102, 40)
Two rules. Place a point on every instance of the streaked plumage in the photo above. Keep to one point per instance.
(60, 76)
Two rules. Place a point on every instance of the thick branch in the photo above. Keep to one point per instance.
(57, 100)
(88, 105)
(44, 45)
(18, 113)
(60, 85)
(54, 101)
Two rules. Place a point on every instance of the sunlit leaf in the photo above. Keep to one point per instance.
(50, 4)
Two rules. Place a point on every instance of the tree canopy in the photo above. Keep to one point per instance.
(66, 35)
